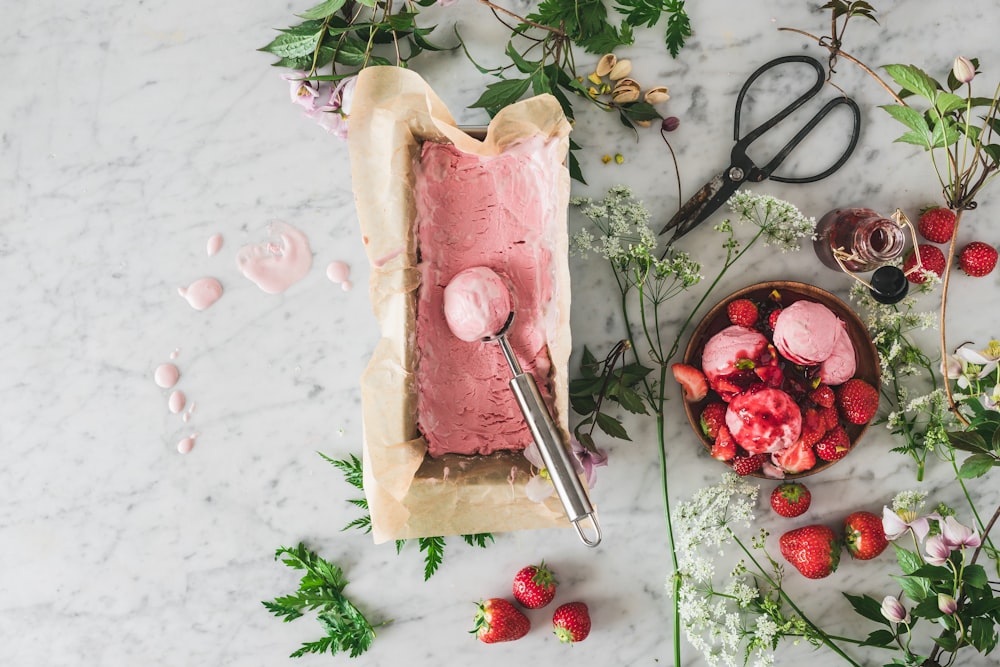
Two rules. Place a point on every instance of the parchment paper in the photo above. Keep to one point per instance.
(409, 493)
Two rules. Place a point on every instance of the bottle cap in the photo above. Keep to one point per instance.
(888, 285)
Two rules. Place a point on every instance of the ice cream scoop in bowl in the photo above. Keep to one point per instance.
(783, 353)
(479, 306)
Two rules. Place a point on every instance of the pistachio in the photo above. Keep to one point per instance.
(657, 95)
(605, 88)
(593, 91)
(625, 91)
(606, 159)
(605, 64)
(643, 123)
(619, 158)
(595, 79)
(621, 70)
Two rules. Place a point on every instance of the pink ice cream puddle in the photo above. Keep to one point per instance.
(278, 263)
(764, 421)
(202, 293)
(477, 304)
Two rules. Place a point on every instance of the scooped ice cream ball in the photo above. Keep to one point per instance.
(477, 304)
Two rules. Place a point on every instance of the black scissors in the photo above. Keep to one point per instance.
(741, 169)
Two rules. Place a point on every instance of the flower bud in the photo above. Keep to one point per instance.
(947, 604)
(670, 123)
(963, 69)
(894, 611)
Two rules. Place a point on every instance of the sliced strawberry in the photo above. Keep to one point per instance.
(813, 426)
(797, 458)
(724, 448)
(693, 381)
(822, 396)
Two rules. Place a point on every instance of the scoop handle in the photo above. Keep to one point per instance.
(557, 460)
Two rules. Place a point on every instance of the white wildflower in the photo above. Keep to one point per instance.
(781, 223)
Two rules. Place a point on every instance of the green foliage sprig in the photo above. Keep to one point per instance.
(431, 547)
(322, 590)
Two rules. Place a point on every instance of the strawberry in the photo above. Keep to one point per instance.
(830, 417)
(790, 499)
(744, 465)
(534, 586)
(795, 459)
(864, 535)
(712, 417)
(497, 620)
(571, 622)
(937, 224)
(822, 396)
(693, 381)
(813, 426)
(931, 260)
(834, 445)
(772, 319)
(813, 550)
(857, 401)
(742, 312)
(978, 259)
(724, 448)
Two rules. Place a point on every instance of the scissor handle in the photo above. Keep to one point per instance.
(755, 173)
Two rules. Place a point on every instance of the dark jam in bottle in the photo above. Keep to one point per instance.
(863, 239)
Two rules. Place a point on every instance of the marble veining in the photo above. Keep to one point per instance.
(133, 132)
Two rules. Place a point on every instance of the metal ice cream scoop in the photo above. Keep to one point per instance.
(547, 437)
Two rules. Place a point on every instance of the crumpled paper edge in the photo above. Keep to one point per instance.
(410, 494)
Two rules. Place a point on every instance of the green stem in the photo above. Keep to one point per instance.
(826, 639)
(664, 484)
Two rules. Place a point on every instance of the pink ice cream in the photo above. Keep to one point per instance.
(497, 212)
(805, 332)
(764, 421)
(724, 349)
(477, 304)
(840, 366)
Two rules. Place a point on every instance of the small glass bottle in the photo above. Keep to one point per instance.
(863, 239)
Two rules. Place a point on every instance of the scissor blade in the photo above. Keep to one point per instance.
(695, 209)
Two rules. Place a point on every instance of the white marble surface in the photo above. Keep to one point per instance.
(134, 131)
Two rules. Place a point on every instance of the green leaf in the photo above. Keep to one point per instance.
(575, 172)
(520, 63)
(589, 366)
(540, 83)
(293, 44)
(946, 102)
(947, 642)
(678, 30)
(933, 572)
(983, 634)
(983, 607)
(352, 52)
(501, 93)
(630, 400)
(993, 151)
(880, 638)
(909, 561)
(868, 607)
(421, 40)
(582, 405)
(975, 577)
(433, 548)
(914, 138)
(944, 134)
(481, 540)
(967, 441)
(977, 465)
(323, 9)
(611, 426)
(640, 111)
(914, 79)
(927, 608)
(915, 588)
(909, 117)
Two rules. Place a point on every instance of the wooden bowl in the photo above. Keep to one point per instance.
(717, 319)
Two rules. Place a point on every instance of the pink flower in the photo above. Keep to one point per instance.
(894, 611)
(540, 487)
(302, 92)
(896, 525)
(956, 535)
(936, 550)
(332, 116)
